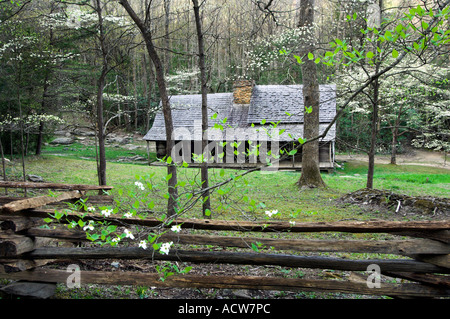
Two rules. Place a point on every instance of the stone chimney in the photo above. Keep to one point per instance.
(242, 91)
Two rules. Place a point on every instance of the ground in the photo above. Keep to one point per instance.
(314, 205)
(411, 157)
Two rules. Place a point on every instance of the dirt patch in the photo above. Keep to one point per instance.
(412, 157)
(398, 203)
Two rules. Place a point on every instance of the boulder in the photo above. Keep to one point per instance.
(35, 178)
(62, 141)
(119, 139)
(30, 289)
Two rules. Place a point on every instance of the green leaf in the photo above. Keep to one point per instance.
(207, 212)
(299, 59)
(394, 54)
(308, 109)
(187, 269)
(388, 35)
(369, 55)
(316, 61)
(310, 56)
(136, 204)
(293, 152)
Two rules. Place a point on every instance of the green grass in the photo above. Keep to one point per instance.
(257, 192)
(77, 151)
(413, 180)
(267, 192)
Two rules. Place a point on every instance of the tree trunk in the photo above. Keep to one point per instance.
(160, 79)
(201, 55)
(375, 109)
(3, 164)
(101, 168)
(40, 138)
(310, 176)
(394, 145)
(395, 136)
(44, 102)
(373, 139)
(166, 35)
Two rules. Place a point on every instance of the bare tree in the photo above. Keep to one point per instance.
(144, 27)
(310, 176)
(204, 89)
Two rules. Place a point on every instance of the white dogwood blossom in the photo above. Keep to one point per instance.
(176, 228)
(106, 212)
(165, 248)
(143, 244)
(128, 234)
(271, 213)
(139, 185)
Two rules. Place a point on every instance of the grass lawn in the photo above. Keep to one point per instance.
(246, 198)
(256, 192)
(80, 151)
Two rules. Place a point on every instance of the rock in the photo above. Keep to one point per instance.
(119, 140)
(60, 133)
(131, 147)
(83, 132)
(131, 159)
(62, 141)
(35, 178)
(241, 293)
(30, 289)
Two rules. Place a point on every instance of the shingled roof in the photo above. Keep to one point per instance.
(273, 103)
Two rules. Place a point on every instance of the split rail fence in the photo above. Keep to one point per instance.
(26, 248)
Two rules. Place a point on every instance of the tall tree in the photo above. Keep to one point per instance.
(101, 82)
(374, 21)
(204, 89)
(144, 27)
(310, 176)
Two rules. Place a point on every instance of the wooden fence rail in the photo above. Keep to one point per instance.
(26, 247)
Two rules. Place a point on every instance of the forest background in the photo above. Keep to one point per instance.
(87, 60)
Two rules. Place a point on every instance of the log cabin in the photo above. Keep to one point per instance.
(244, 126)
